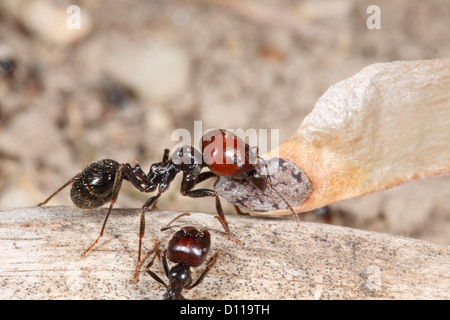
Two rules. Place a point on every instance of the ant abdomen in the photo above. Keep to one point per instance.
(93, 186)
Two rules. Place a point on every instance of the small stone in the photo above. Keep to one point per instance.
(155, 70)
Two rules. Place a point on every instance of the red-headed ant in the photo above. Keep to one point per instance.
(229, 156)
(188, 248)
(224, 153)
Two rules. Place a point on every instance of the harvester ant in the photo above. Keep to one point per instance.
(223, 152)
(227, 155)
(188, 248)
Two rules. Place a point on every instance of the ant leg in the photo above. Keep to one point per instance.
(166, 155)
(57, 191)
(223, 221)
(156, 277)
(200, 193)
(138, 266)
(186, 190)
(204, 176)
(151, 273)
(155, 205)
(137, 173)
(115, 192)
(165, 264)
(187, 184)
(239, 211)
(146, 205)
(209, 265)
(221, 216)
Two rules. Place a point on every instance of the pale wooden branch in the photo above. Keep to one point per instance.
(389, 124)
(41, 259)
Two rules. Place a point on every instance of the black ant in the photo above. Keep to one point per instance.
(224, 153)
(100, 183)
(188, 248)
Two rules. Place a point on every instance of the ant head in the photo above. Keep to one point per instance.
(225, 153)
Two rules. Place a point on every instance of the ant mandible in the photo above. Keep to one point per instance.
(188, 248)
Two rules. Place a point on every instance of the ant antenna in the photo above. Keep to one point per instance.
(173, 220)
(216, 230)
(169, 226)
(269, 182)
(139, 265)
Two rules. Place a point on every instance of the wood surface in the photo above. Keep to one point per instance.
(387, 125)
(42, 258)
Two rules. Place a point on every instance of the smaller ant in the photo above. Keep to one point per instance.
(187, 248)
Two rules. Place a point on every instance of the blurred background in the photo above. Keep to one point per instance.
(136, 70)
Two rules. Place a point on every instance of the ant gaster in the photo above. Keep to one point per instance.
(188, 248)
